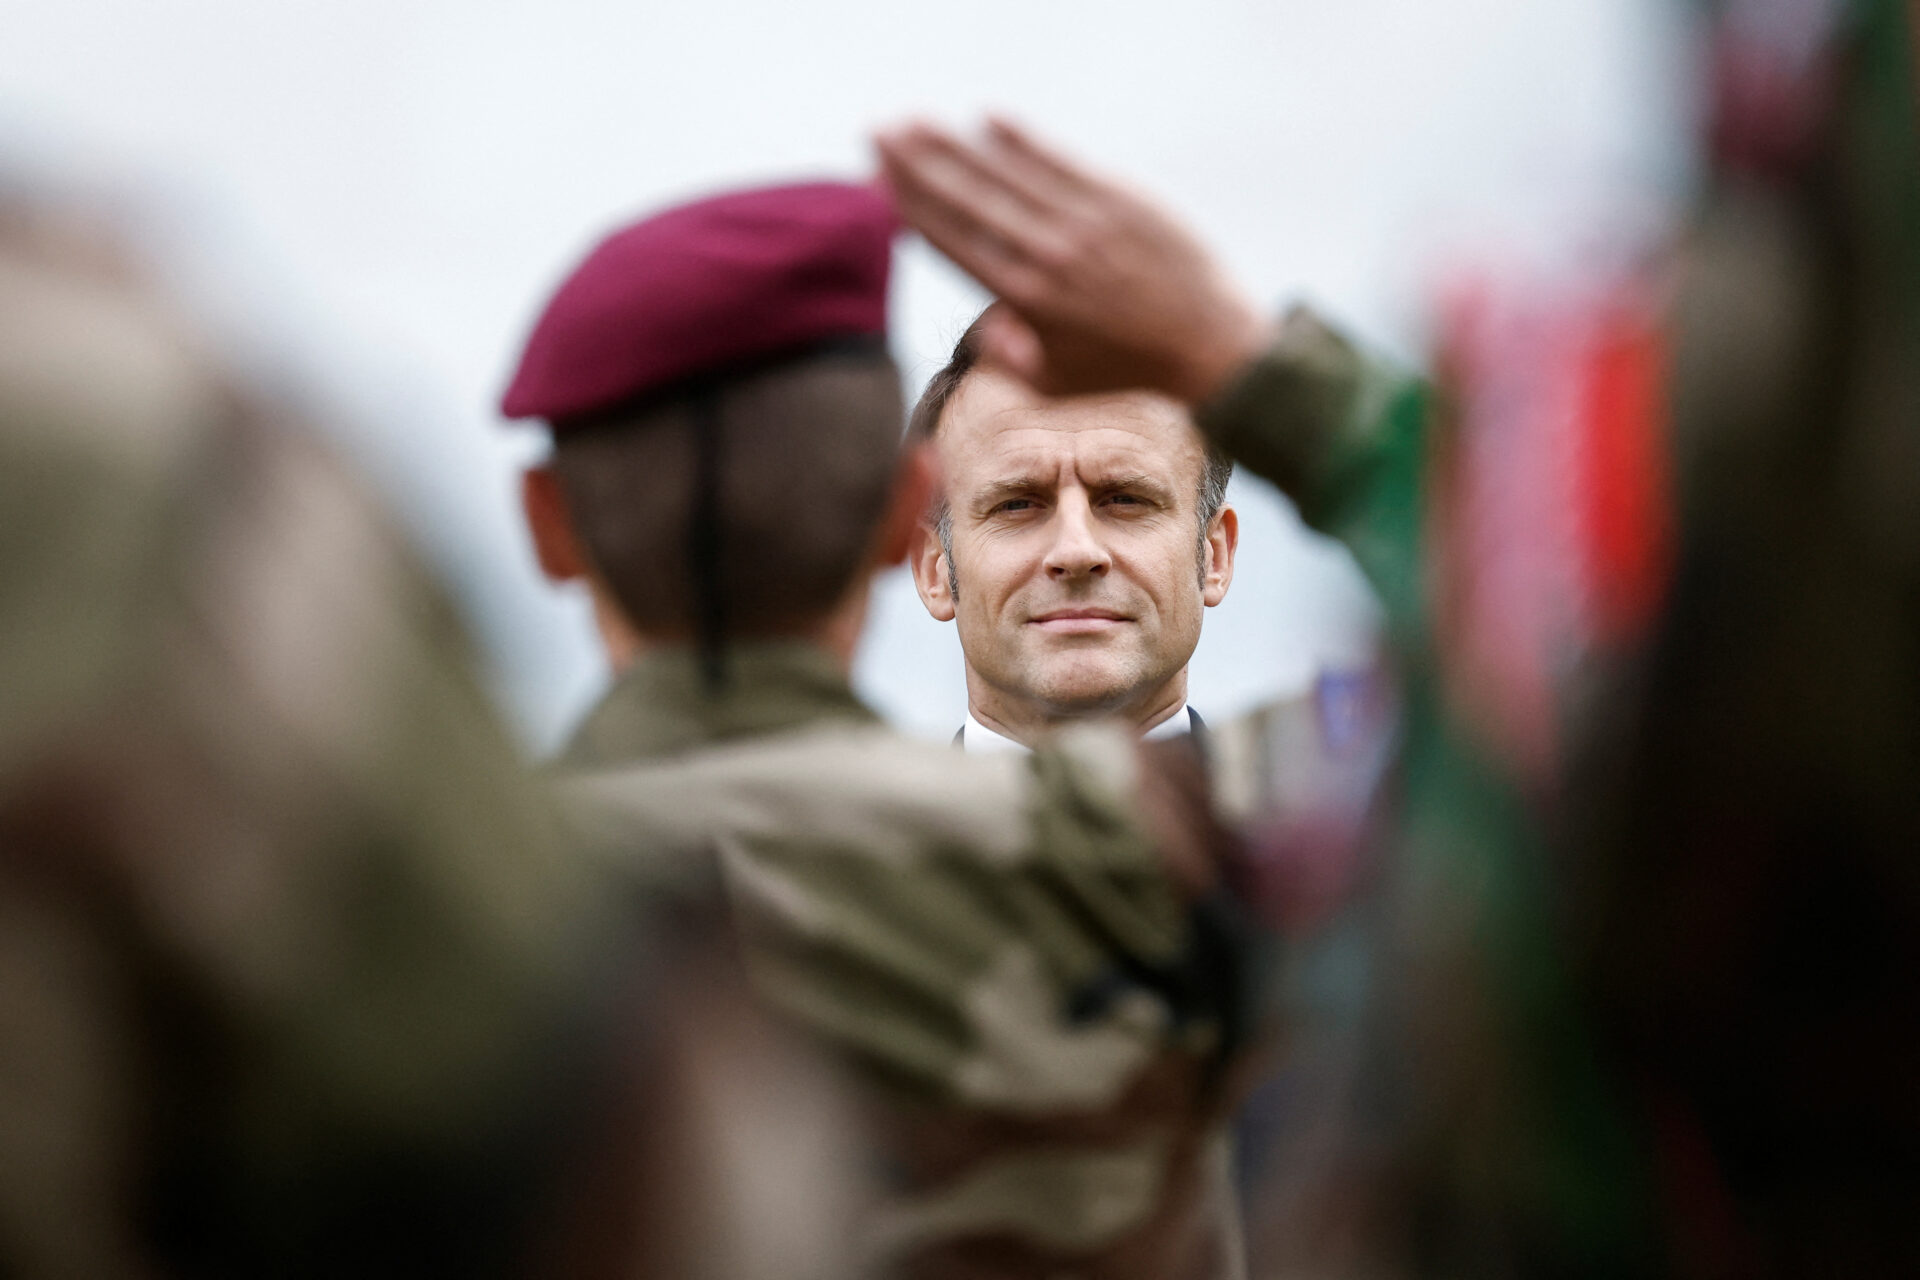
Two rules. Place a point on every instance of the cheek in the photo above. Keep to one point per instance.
(1168, 567)
(991, 572)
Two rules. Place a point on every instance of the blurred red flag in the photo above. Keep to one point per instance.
(1552, 511)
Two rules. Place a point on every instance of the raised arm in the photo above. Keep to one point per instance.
(1105, 291)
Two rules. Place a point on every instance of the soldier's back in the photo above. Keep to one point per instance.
(991, 943)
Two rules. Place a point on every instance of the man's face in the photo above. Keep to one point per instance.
(1076, 548)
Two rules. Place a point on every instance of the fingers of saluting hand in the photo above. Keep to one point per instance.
(979, 209)
(1104, 289)
(1010, 343)
(1064, 184)
(1045, 179)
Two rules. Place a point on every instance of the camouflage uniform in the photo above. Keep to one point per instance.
(295, 977)
(991, 940)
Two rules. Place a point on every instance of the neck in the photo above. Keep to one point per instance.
(838, 632)
(623, 645)
(1026, 721)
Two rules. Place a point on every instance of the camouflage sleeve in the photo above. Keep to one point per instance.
(1343, 434)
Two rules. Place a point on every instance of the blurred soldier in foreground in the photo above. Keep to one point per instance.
(1749, 919)
(1037, 1007)
(294, 978)
(1647, 1007)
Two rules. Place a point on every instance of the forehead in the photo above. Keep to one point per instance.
(996, 424)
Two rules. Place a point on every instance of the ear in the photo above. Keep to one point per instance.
(1223, 539)
(929, 565)
(920, 547)
(555, 544)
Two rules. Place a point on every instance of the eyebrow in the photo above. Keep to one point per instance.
(1138, 480)
(997, 491)
(1000, 490)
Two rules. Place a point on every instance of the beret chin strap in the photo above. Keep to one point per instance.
(703, 540)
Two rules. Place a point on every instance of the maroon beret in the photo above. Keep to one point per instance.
(705, 286)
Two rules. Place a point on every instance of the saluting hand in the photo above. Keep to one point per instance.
(1103, 290)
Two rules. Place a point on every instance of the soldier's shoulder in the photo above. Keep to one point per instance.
(858, 781)
(859, 785)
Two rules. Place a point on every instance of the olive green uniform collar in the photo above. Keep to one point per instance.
(660, 705)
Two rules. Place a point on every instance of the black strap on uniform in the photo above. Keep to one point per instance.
(706, 590)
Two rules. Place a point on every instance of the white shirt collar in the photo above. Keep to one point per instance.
(975, 736)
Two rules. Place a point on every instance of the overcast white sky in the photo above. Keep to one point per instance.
(374, 196)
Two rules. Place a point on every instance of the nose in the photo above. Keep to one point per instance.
(1076, 550)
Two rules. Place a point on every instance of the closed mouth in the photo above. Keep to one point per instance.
(1079, 619)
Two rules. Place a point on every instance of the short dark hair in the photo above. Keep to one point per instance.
(924, 424)
(809, 449)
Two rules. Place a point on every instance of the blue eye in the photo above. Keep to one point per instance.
(1015, 504)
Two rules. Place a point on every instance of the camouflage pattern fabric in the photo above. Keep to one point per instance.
(296, 977)
(991, 941)
(288, 942)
